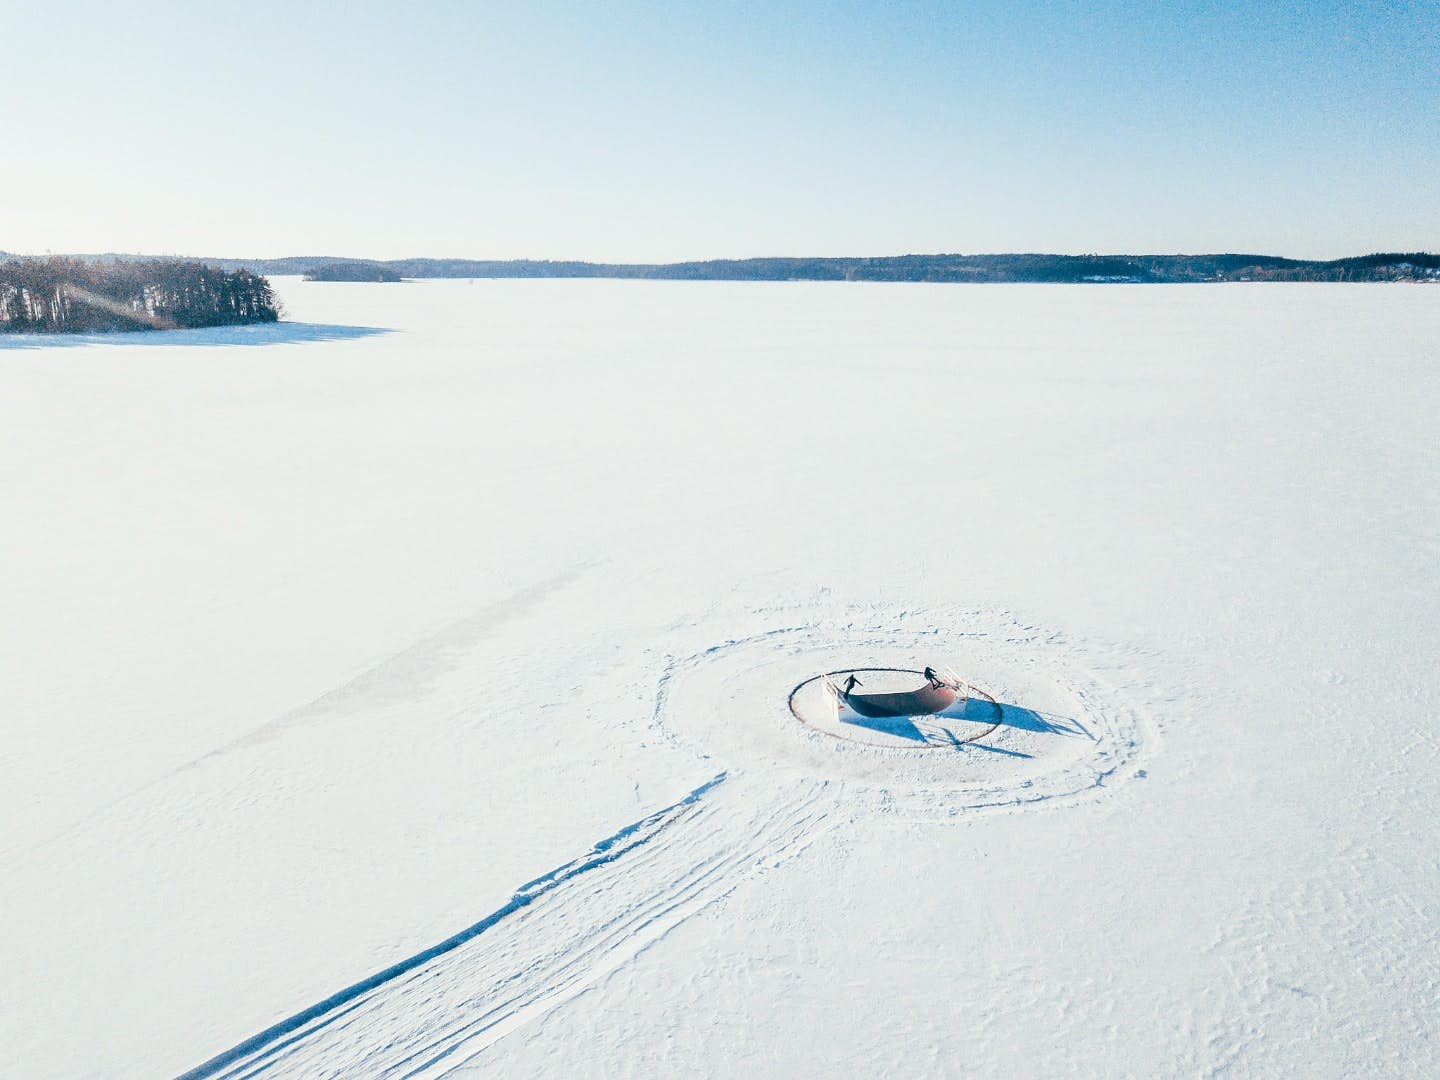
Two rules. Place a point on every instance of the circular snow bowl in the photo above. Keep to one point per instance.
(1046, 726)
(817, 703)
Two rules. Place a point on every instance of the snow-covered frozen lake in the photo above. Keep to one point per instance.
(423, 692)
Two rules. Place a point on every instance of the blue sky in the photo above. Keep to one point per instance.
(662, 131)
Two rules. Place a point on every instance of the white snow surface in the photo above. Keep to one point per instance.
(422, 694)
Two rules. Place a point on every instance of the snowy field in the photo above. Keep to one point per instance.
(412, 701)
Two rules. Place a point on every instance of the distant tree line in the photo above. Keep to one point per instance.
(353, 270)
(1389, 266)
(1419, 266)
(70, 295)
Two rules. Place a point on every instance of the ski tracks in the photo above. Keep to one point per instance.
(558, 935)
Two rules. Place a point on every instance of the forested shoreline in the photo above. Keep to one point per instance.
(353, 270)
(84, 294)
(983, 269)
(81, 296)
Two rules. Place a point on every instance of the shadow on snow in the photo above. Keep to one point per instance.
(278, 333)
(933, 729)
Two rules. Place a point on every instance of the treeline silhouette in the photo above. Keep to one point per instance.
(1037, 268)
(1393, 266)
(358, 270)
(68, 295)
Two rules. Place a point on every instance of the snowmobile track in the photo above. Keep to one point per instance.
(558, 935)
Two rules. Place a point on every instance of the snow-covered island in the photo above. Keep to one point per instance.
(353, 270)
(80, 296)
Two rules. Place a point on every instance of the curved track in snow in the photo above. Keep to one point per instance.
(557, 935)
(779, 786)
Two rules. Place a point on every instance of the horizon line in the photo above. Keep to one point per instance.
(723, 259)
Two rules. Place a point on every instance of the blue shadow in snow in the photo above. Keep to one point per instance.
(902, 727)
(1042, 723)
(975, 710)
(278, 333)
(1023, 719)
(999, 750)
